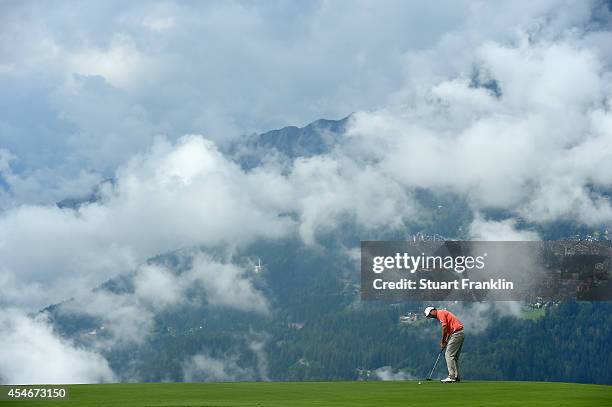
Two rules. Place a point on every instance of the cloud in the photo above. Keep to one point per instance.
(31, 353)
(38, 186)
(477, 316)
(505, 230)
(387, 373)
(225, 285)
(535, 150)
(121, 64)
(103, 81)
(203, 367)
(127, 316)
(536, 147)
(157, 285)
(124, 319)
(257, 346)
(169, 198)
(329, 189)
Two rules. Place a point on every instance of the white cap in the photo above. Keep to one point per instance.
(428, 310)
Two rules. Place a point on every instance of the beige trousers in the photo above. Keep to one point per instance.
(453, 349)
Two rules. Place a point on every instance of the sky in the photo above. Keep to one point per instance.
(504, 104)
(85, 87)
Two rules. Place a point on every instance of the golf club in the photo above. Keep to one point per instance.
(435, 364)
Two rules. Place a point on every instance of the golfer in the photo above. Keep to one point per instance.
(452, 339)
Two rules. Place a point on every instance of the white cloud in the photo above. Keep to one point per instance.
(169, 198)
(203, 367)
(31, 353)
(532, 151)
(257, 346)
(128, 317)
(535, 150)
(329, 190)
(225, 285)
(157, 285)
(159, 23)
(503, 231)
(5, 161)
(41, 186)
(228, 68)
(387, 373)
(476, 316)
(120, 64)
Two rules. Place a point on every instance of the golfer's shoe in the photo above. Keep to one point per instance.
(448, 380)
(458, 379)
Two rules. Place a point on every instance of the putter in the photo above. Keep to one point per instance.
(435, 364)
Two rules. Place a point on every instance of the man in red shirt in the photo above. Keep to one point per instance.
(452, 339)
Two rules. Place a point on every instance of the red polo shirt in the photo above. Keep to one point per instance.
(449, 319)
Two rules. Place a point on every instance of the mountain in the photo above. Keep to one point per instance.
(316, 327)
(250, 151)
(93, 196)
(291, 142)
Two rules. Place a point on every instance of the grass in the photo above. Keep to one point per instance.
(334, 394)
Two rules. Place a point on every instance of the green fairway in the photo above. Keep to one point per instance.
(290, 394)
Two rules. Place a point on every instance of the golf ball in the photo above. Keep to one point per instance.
(419, 382)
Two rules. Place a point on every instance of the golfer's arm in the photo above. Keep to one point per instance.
(444, 333)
